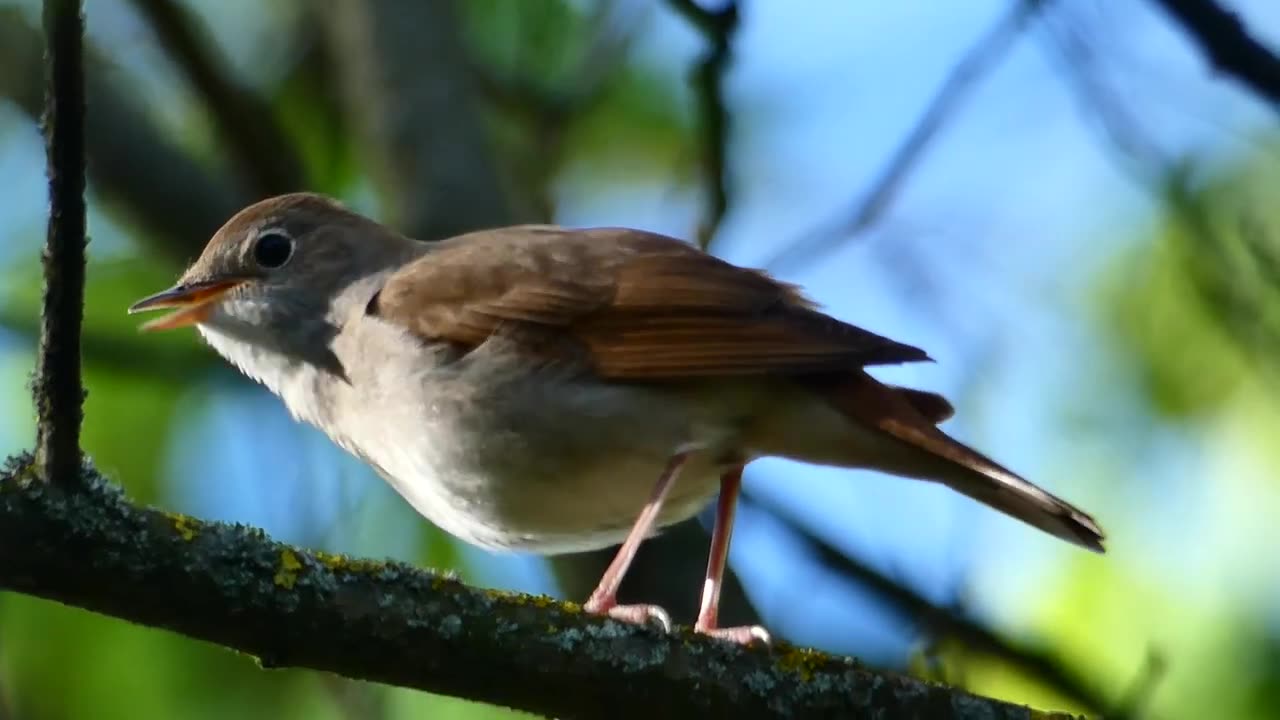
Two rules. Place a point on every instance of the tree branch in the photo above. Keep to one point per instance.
(1229, 45)
(390, 623)
(980, 59)
(59, 395)
(260, 149)
(718, 27)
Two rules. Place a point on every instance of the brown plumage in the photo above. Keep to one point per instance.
(633, 305)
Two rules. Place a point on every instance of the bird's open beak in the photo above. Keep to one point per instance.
(192, 303)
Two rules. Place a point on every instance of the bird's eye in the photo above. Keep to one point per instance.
(272, 249)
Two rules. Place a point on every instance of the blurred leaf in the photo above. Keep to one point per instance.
(409, 705)
(638, 128)
(533, 41)
(1198, 305)
(633, 126)
(310, 112)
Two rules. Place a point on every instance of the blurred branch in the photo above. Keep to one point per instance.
(1137, 154)
(1228, 44)
(391, 623)
(1138, 697)
(865, 212)
(938, 622)
(259, 148)
(718, 28)
(132, 165)
(177, 363)
(405, 80)
(59, 394)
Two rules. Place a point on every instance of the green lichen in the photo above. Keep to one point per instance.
(803, 662)
(542, 602)
(186, 527)
(21, 469)
(287, 575)
(343, 563)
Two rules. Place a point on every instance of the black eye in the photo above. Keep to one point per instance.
(272, 249)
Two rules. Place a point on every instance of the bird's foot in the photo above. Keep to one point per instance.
(742, 634)
(634, 614)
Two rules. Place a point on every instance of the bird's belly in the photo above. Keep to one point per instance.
(547, 466)
(548, 509)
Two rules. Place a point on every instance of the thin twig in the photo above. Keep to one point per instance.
(938, 622)
(59, 395)
(1137, 154)
(718, 27)
(1228, 45)
(245, 122)
(980, 59)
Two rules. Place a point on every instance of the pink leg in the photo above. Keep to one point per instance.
(708, 614)
(604, 599)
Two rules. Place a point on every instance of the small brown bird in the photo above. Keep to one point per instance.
(560, 390)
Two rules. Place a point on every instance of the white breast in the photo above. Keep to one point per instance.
(490, 451)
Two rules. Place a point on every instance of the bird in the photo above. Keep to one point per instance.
(553, 390)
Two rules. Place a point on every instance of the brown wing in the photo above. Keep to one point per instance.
(630, 304)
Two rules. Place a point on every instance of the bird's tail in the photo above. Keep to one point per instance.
(921, 450)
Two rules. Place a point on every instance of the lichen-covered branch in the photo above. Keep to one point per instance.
(391, 623)
(59, 394)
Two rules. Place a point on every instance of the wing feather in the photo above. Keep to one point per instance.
(630, 304)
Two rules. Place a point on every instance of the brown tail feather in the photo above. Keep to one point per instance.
(932, 406)
(933, 455)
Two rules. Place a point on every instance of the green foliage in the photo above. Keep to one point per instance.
(559, 108)
(310, 113)
(1198, 305)
(66, 663)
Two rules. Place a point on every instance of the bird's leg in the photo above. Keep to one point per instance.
(709, 611)
(604, 599)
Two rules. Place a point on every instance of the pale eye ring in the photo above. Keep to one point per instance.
(272, 249)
